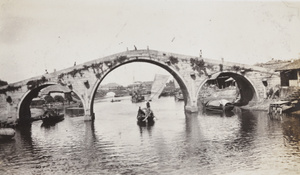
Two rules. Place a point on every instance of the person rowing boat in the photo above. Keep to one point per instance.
(145, 115)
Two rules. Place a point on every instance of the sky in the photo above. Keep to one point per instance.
(37, 34)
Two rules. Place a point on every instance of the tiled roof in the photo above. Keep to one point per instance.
(292, 66)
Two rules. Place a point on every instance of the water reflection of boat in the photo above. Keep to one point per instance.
(6, 133)
(220, 113)
(218, 105)
(52, 116)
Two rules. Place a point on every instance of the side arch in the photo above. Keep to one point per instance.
(247, 89)
(166, 67)
(23, 113)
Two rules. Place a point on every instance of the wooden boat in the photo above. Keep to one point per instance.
(145, 115)
(218, 105)
(6, 133)
(112, 100)
(284, 106)
(137, 97)
(51, 116)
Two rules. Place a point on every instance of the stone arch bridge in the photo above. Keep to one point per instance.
(190, 72)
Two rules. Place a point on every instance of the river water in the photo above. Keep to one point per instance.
(243, 142)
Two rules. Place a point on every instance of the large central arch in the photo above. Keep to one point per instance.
(247, 89)
(171, 70)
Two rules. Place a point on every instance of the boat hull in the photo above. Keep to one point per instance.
(145, 116)
(53, 119)
(218, 106)
(7, 133)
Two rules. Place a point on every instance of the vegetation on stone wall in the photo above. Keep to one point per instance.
(3, 83)
(98, 75)
(35, 83)
(121, 59)
(198, 65)
(9, 88)
(236, 68)
(108, 63)
(95, 66)
(173, 60)
(241, 69)
(60, 76)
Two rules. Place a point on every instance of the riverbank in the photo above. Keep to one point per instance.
(262, 105)
(231, 95)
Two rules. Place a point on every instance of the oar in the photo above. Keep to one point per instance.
(146, 117)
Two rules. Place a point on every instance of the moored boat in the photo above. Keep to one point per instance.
(6, 133)
(112, 100)
(219, 105)
(51, 116)
(137, 97)
(284, 106)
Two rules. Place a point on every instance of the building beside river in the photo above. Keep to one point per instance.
(290, 80)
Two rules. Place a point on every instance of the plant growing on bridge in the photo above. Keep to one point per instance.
(9, 88)
(85, 67)
(60, 76)
(108, 64)
(35, 83)
(3, 83)
(236, 68)
(173, 60)
(121, 59)
(98, 75)
(97, 66)
(199, 66)
(75, 71)
(241, 69)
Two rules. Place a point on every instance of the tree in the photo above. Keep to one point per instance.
(59, 98)
(68, 97)
(49, 99)
(3, 83)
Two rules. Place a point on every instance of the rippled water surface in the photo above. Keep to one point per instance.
(241, 143)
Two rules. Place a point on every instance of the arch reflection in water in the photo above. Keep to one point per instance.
(178, 143)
